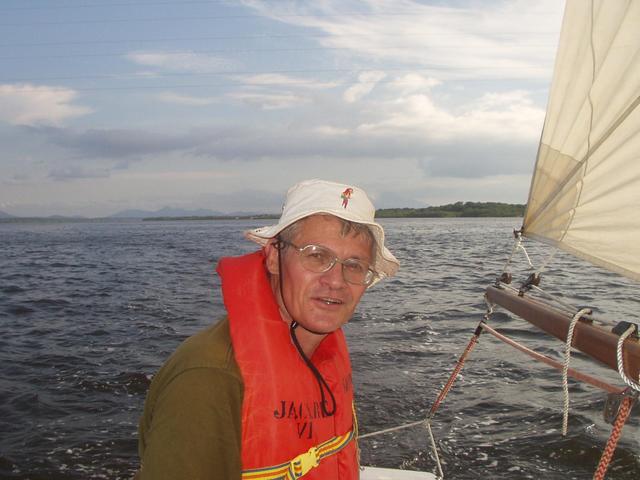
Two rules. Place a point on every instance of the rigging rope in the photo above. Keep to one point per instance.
(623, 412)
(434, 449)
(620, 359)
(517, 245)
(560, 304)
(555, 299)
(565, 369)
(583, 377)
(391, 429)
(626, 404)
(452, 378)
(628, 398)
(443, 393)
(621, 418)
(543, 267)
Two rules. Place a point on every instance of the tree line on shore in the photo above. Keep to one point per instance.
(458, 209)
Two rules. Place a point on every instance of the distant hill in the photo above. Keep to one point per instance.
(166, 212)
(182, 214)
(55, 218)
(66, 217)
(458, 209)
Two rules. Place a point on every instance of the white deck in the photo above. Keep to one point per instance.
(372, 473)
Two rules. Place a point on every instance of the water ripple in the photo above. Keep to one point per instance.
(89, 311)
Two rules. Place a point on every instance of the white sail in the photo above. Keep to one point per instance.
(585, 192)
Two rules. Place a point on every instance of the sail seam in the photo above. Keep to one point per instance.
(591, 149)
(597, 145)
(589, 153)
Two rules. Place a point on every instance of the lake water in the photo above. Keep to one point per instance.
(90, 310)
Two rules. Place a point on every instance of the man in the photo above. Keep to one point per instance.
(267, 391)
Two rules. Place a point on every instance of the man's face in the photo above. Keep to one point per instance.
(320, 302)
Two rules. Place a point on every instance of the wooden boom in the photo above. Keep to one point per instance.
(592, 340)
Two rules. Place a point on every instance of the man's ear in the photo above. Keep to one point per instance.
(271, 253)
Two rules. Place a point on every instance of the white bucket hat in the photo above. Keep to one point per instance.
(351, 203)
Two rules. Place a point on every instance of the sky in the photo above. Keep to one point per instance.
(108, 105)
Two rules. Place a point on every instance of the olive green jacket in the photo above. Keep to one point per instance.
(191, 425)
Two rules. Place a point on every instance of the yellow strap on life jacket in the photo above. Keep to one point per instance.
(304, 462)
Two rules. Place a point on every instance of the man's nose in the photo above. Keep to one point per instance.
(334, 276)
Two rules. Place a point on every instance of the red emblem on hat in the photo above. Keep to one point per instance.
(346, 195)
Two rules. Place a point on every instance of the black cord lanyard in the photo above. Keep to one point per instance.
(321, 381)
(292, 330)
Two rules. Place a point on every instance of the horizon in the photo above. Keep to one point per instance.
(215, 213)
(225, 105)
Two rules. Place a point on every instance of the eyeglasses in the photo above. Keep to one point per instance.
(318, 259)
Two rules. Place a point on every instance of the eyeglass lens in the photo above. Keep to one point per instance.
(320, 259)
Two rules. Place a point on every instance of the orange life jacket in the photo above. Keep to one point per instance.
(281, 413)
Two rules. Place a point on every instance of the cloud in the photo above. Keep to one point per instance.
(174, 175)
(276, 91)
(495, 134)
(114, 143)
(255, 143)
(187, 100)
(459, 158)
(400, 198)
(502, 188)
(467, 159)
(244, 200)
(280, 80)
(74, 172)
(15, 179)
(26, 104)
(366, 83)
(414, 82)
(507, 116)
(270, 101)
(180, 61)
(329, 130)
(452, 41)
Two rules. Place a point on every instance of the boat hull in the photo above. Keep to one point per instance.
(373, 473)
